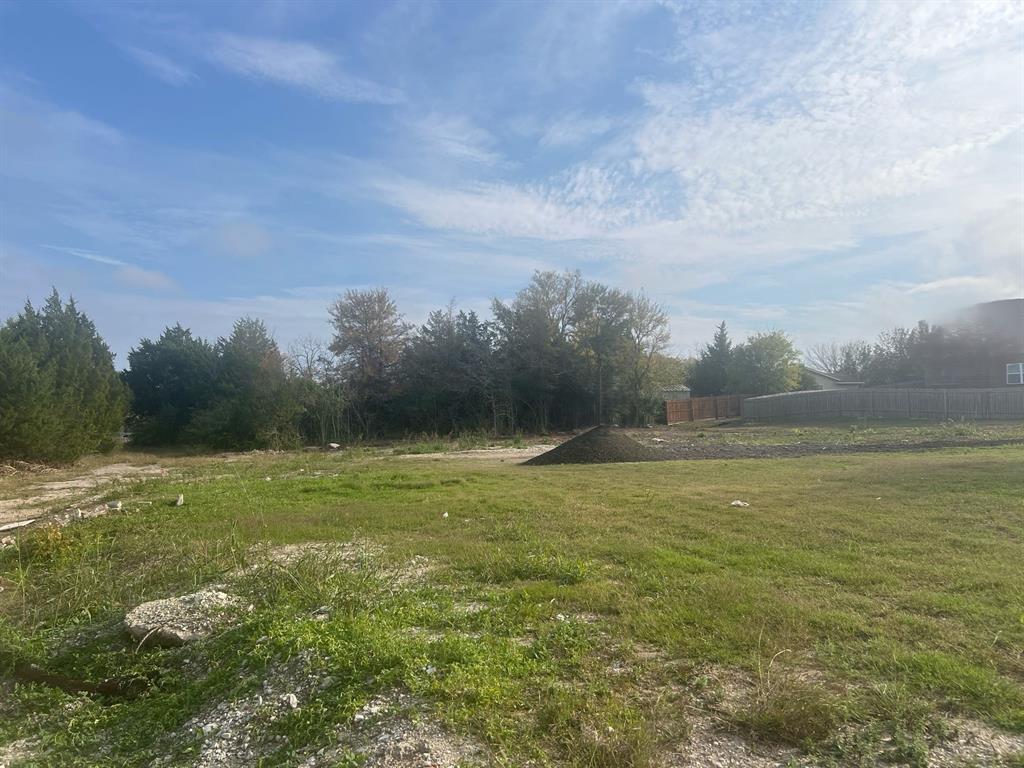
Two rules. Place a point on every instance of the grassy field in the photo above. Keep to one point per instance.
(586, 615)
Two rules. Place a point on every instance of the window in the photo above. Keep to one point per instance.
(1015, 373)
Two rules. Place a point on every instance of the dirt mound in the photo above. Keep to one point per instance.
(600, 445)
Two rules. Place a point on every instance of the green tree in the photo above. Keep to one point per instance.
(765, 364)
(170, 380)
(253, 404)
(60, 396)
(709, 374)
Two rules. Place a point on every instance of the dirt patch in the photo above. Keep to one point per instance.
(974, 743)
(485, 454)
(600, 445)
(669, 445)
(83, 489)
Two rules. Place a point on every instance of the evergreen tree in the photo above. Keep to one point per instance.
(170, 380)
(253, 404)
(60, 396)
(710, 373)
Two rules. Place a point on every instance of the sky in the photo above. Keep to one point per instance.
(829, 169)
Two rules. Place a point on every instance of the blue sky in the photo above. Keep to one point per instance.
(825, 168)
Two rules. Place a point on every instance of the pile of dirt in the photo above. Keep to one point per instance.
(600, 445)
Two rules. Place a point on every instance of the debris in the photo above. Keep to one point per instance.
(445, 515)
(180, 501)
(267, 479)
(333, 446)
(179, 620)
(114, 505)
(290, 700)
(739, 503)
(18, 524)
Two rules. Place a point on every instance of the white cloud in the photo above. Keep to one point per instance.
(297, 64)
(574, 128)
(241, 238)
(454, 137)
(147, 279)
(160, 66)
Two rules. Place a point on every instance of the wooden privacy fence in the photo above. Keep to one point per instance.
(936, 404)
(699, 408)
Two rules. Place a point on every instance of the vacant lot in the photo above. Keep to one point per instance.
(435, 610)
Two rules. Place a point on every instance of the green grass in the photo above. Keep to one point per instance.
(892, 582)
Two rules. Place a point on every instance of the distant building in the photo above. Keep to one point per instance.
(675, 392)
(824, 380)
(982, 347)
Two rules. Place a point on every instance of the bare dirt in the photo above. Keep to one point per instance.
(82, 489)
(673, 445)
(486, 454)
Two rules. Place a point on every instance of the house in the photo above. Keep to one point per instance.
(824, 380)
(675, 392)
(983, 346)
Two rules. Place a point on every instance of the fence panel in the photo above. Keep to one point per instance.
(889, 403)
(701, 408)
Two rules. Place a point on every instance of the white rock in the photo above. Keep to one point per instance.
(180, 620)
(180, 501)
(290, 700)
(738, 503)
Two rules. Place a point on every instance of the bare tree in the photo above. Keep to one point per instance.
(850, 358)
(309, 358)
(648, 335)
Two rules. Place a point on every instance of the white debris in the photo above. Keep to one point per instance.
(445, 515)
(333, 446)
(290, 700)
(18, 524)
(180, 501)
(180, 620)
(739, 503)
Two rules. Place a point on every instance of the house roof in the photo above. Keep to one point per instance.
(828, 376)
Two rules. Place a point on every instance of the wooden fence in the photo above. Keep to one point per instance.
(700, 408)
(934, 404)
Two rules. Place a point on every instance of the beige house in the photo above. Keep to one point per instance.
(828, 381)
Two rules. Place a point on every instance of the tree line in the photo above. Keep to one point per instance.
(563, 353)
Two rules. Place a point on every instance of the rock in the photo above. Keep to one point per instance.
(7, 541)
(738, 503)
(18, 524)
(179, 620)
(115, 505)
(290, 700)
(180, 501)
(333, 446)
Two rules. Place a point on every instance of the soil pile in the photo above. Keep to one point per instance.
(600, 445)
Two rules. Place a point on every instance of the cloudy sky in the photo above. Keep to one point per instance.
(825, 168)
